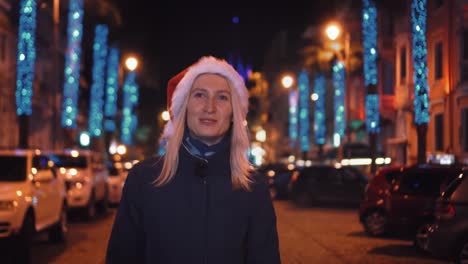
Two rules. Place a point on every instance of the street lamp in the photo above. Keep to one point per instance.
(287, 81)
(165, 116)
(332, 31)
(131, 63)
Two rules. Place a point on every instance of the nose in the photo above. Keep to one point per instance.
(210, 105)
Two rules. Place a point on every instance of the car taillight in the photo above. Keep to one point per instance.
(444, 211)
(295, 176)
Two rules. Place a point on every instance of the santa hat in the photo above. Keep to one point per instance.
(179, 86)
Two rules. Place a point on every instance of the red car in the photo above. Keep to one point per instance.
(401, 200)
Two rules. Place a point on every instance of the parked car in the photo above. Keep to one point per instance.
(115, 182)
(278, 177)
(85, 176)
(32, 198)
(316, 185)
(376, 193)
(448, 235)
(409, 205)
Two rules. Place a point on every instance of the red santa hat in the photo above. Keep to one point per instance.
(178, 87)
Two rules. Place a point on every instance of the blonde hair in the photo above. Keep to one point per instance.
(240, 166)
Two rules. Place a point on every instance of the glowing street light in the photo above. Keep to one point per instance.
(260, 135)
(287, 81)
(131, 63)
(332, 31)
(165, 116)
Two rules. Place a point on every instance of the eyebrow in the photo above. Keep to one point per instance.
(206, 90)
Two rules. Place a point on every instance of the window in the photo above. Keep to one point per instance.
(2, 47)
(438, 65)
(402, 65)
(388, 77)
(439, 132)
(421, 183)
(465, 44)
(438, 3)
(464, 129)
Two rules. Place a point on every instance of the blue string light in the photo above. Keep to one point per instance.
(304, 125)
(339, 79)
(26, 57)
(97, 88)
(421, 87)
(372, 113)
(130, 100)
(293, 94)
(369, 32)
(319, 114)
(72, 64)
(110, 108)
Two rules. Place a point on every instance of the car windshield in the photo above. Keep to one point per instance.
(13, 168)
(453, 185)
(41, 162)
(69, 161)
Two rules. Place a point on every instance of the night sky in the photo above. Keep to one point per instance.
(170, 35)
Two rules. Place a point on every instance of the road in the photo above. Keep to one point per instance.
(307, 235)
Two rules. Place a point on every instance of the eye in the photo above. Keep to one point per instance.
(198, 94)
(224, 97)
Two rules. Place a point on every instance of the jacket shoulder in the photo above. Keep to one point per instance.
(147, 169)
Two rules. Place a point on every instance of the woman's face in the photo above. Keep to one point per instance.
(209, 109)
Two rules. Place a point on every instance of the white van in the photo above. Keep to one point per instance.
(32, 197)
(85, 176)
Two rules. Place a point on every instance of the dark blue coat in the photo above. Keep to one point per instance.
(195, 218)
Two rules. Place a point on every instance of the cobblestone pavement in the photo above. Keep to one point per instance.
(307, 235)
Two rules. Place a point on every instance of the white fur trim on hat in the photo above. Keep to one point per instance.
(206, 64)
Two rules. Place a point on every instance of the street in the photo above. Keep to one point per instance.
(307, 235)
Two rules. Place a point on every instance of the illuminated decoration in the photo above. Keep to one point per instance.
(372, 113)
(72, 64)
(421, 87)
(304, 124)
(26, 57)
(369, 32)
(130, 100)
(339, 80)
(97, 88)
(110, 108)
(319, 114)
(293, 98)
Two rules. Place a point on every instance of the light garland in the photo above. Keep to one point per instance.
(130, 100)
(97, 88)
(293, 94)
(421, 87)
(72, 64)
(319, 114)
(369, 32)
(339, 80)
(112, 88)
(26, 57)
(304, 122)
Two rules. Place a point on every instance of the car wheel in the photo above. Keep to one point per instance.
(462, 254)
(90, 208)
(57, 234)
(25, 238)
(422, 237)
(375, 223)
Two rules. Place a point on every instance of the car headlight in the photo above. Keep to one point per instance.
(7, 205)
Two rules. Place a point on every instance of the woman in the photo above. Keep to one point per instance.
(198, 203)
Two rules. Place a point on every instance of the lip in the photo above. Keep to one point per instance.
(207, 121)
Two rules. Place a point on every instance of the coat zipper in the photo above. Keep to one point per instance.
(204, 206)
